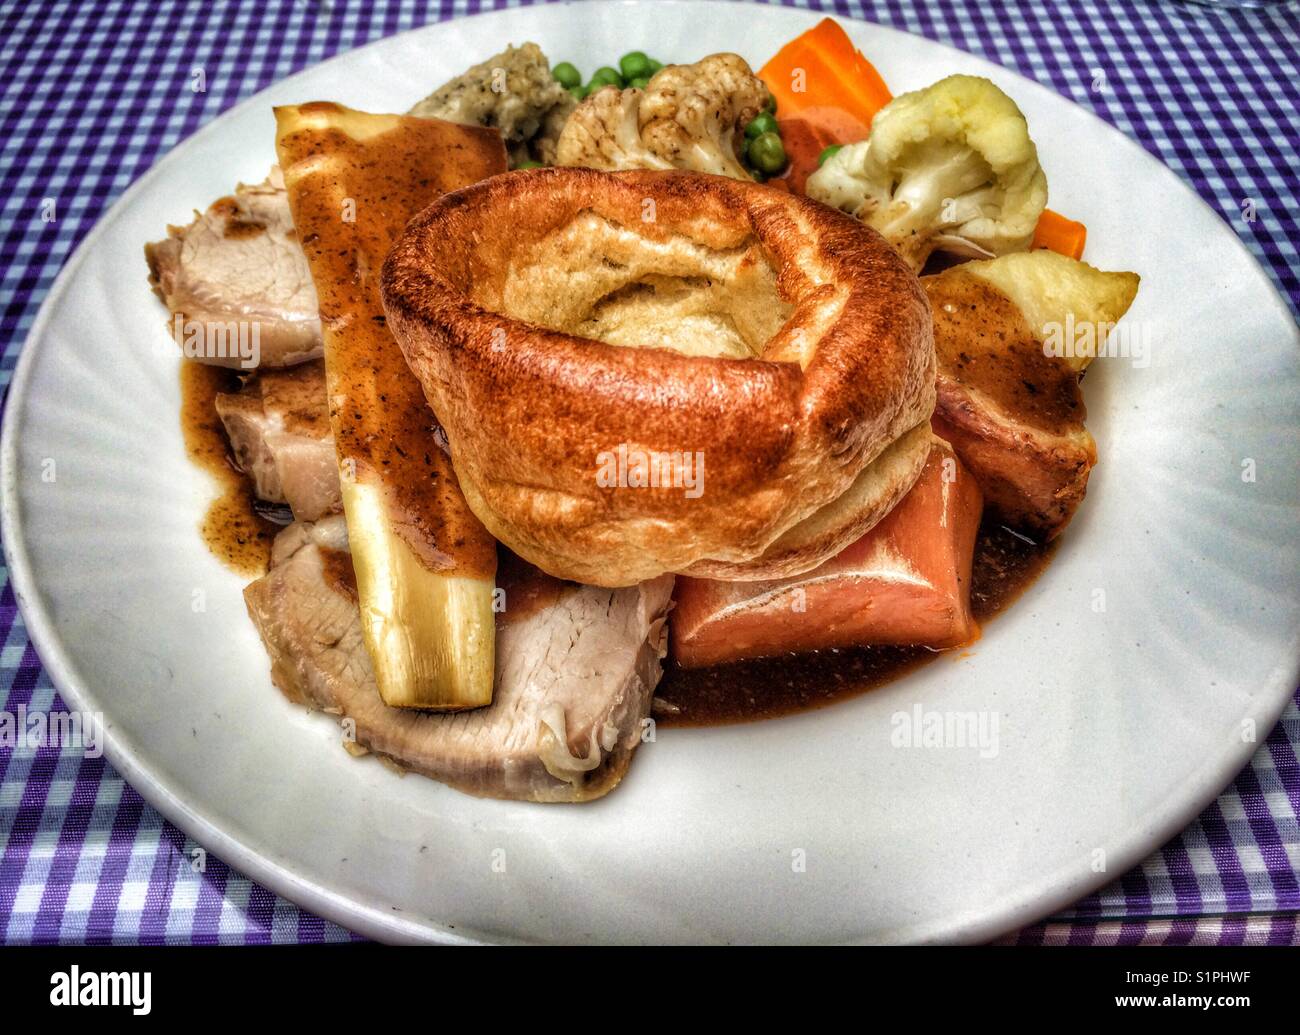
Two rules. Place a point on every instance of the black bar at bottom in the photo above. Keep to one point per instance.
(376, 984)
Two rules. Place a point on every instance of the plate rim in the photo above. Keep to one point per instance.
(1026, 907)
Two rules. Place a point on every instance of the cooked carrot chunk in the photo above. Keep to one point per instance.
(824, 78)
(907, 581)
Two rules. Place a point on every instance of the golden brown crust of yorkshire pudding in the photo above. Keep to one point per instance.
(817, 347)
(880, 486)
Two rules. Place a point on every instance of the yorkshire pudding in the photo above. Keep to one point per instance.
(648, 372)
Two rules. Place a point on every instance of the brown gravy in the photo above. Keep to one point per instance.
(238, 528)
(1005, 565)
(237, 225)
(339, 573)
(984, 342)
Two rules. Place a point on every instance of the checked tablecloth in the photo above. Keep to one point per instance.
(93, 96)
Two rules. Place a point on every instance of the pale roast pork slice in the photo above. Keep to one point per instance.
(576, 669)
(236, 267)
(279, 431)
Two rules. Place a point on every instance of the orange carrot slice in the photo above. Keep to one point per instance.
(1059, 234)
(907, 581)
(824, 79)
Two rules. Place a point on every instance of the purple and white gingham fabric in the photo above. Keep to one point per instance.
(94, 94)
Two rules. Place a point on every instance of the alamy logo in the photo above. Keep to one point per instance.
(1087, 339)
(219, 339)
(94, 988)
(921, 728)
(631, 467)
(78, 730)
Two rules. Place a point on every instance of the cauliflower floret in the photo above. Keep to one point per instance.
(695, 115)
(513, 91)
(949, 167)
(603, 133)
(688, 117)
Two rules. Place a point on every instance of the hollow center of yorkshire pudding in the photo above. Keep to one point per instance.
(596, 279)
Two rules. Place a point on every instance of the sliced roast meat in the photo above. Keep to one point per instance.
(238, 271)
(575, 671)
(1012, 413)
(279, 431)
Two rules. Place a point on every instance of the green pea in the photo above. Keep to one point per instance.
(761, 124)
(639, 83)
(767, 153)
(655, 66)
(635, 65)
(528, 163)
(828, 154)
(566, 74)
(580, 92)
(770, 106)
(606, 76)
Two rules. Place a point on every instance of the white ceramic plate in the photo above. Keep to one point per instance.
(1115, 727)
